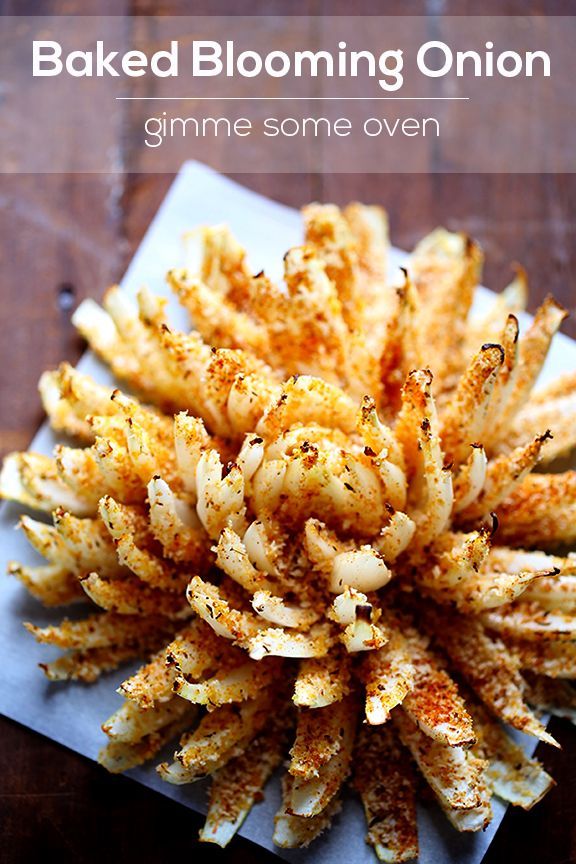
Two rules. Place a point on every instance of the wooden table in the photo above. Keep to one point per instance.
(67, 237)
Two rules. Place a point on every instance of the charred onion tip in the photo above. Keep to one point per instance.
(489, 346)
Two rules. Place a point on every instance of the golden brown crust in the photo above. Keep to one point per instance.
(306, 503)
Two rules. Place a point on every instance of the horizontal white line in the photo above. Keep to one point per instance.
(292, 98)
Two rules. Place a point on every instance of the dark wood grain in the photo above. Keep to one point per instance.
(63, 234)
(56, 805)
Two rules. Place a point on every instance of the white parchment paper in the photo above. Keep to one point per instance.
(71, 713)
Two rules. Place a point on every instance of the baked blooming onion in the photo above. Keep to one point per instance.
(316, 520)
